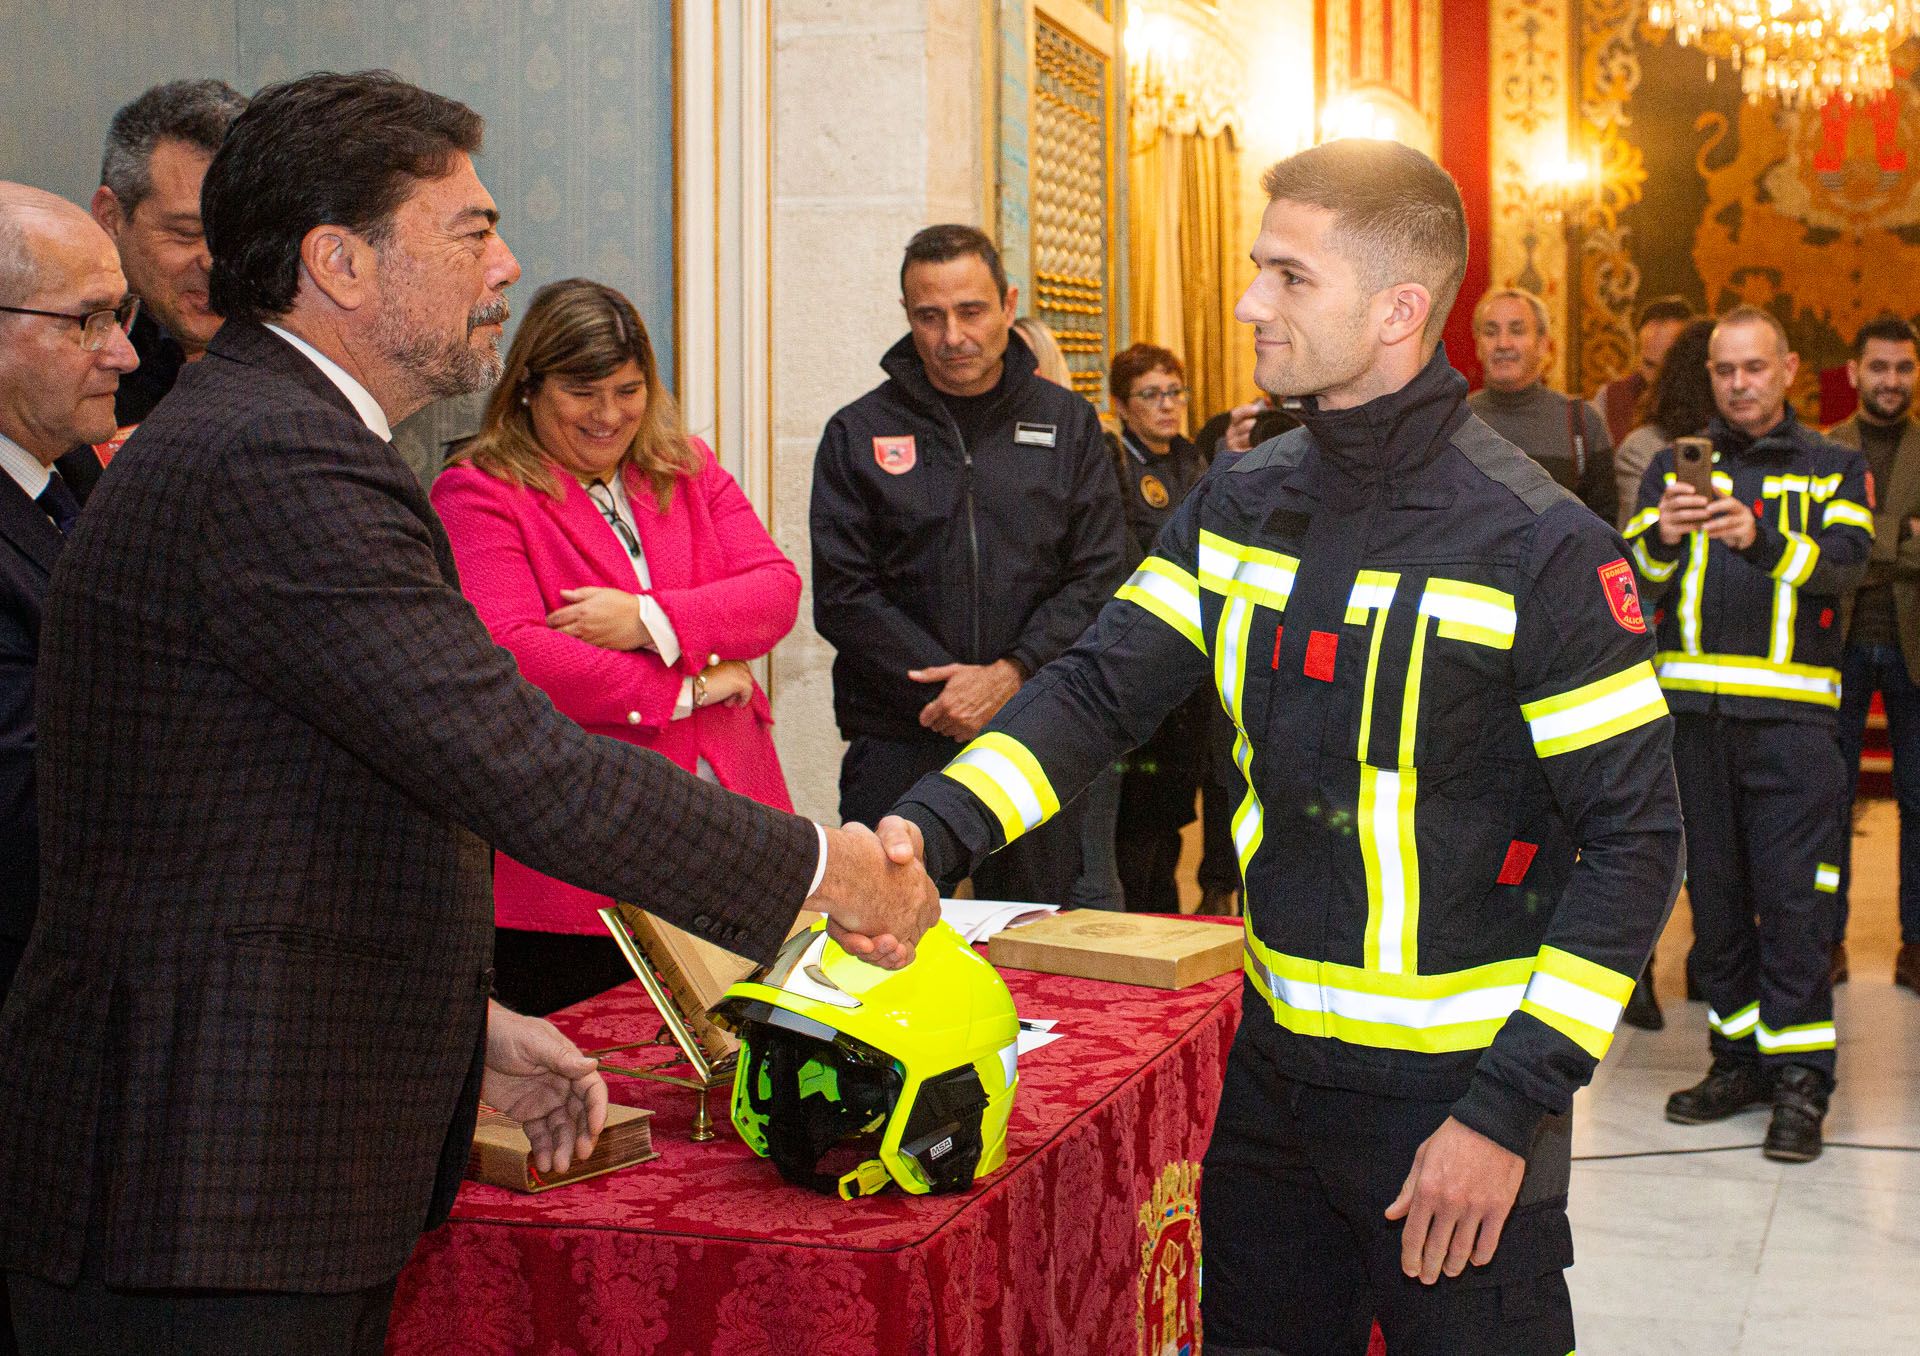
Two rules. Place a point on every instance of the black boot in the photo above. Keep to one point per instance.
(1731, 1085)
(1799, 1105)
(1643, 1004)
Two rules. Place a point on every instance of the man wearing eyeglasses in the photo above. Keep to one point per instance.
(63, 348)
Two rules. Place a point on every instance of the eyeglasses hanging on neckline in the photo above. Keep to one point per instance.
(602, 495)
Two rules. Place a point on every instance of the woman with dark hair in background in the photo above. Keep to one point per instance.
(1156, 466)
(625, 570)
(1678, 403)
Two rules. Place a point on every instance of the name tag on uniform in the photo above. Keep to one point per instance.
(1034, 435)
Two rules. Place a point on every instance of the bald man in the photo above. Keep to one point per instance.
(63, 348)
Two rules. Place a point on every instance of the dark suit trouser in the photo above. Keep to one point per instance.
(89, 1319)
(1867, 669)
(1762, 801)
(1041, 867)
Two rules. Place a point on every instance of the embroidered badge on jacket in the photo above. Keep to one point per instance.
(895, 455)
(1623, 600)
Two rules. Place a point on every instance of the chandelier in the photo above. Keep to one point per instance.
(1795, 51)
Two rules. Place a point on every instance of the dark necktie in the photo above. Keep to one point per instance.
(59, 503)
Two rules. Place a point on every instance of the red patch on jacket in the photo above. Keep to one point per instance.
(1826, 618)
(895, 456)
(1278, 632)
(1321, 646)
(1519, 857)
(1623, 599)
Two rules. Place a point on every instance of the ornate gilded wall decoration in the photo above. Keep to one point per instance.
(1609, 280)
(1813, 213)
(1529, 116)
(1071, 196)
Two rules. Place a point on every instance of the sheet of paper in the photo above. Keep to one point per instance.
(1034, 1033)
(978, 919)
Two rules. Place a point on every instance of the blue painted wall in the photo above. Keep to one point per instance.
(577, 94)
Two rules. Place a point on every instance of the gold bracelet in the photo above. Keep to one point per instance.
(699, 690)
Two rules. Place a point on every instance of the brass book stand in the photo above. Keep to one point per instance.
(684, 976)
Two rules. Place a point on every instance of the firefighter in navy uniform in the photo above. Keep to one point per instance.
(966, 528)
(1157, 468)
(1459, 835)
(1750, 585)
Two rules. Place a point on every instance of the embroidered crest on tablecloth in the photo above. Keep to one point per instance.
(1168, 1319)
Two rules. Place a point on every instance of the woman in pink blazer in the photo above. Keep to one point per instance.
(629, 576)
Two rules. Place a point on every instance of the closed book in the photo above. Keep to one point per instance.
(1127, 948)
(503, 1157)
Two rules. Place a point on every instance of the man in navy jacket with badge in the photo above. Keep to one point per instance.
(966, 529)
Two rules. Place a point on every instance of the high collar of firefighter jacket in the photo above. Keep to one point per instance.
(1389, 438)
(1783, 440)
(902, 362)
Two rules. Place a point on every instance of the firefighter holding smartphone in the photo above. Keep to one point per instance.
(1746, 541)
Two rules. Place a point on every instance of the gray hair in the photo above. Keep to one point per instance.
(1541, 320)
(197, 112)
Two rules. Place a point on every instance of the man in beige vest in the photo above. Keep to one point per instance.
(1882, 618)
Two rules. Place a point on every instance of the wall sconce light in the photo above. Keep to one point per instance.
(1355, 116)
(1562, 191)
(1377, 113)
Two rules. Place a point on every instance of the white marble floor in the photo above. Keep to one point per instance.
(1689, 1243)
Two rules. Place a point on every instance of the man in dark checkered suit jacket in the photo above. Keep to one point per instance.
(239, 1066)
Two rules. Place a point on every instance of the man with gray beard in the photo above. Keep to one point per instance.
(240, 1063)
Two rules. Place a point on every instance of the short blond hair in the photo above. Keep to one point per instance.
(1398, 215)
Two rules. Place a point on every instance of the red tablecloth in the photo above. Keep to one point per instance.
(1084, 1243)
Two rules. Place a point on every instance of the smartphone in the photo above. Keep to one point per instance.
(1693, 464)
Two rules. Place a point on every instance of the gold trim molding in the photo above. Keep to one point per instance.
(1529, 116)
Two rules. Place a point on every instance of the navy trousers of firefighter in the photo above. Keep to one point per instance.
(1763, 845)
(1301, 1258)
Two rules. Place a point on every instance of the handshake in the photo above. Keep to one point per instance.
(876, 893)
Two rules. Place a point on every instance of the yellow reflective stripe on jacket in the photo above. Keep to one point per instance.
(1846, 511)
(1596, 711)
(1659, 571)
(1230, 676)
(1641, 521)
(1250, 572)
(1009, 781)
(1470, 612)
(1392, 860)
(1578, 998)
(1746, 675)
(1373, 592)
(1169, 593)
(1795, 1039)
(1796, 563)
(1369, 603)
(1692, 584)
(1786, 607)
(1432, 1014)
(1826, 878)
